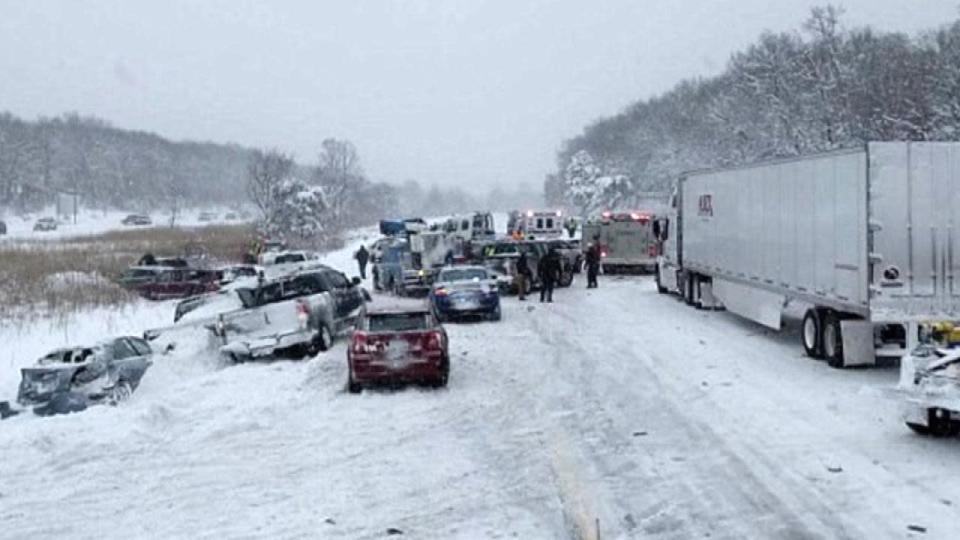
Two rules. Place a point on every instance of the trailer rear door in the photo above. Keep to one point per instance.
(914, 211)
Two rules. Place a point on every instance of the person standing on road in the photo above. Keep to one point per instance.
(523, 275)
(548, 269)
(571, 227)
(362, 256)
(593, 263)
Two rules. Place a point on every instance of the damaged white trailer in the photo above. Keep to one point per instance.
(867, 238)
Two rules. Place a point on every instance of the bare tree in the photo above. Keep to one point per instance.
(265, 173)
(340, 175)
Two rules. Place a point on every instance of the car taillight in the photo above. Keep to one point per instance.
(303, 314)
(433, 341)
(359, 343)
(603, 253)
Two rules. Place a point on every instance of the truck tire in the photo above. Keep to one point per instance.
(689, 289)
(321, 342)
(832, 339)
(698, 292)
(810, 334)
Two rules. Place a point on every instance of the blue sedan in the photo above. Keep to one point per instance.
(461, 292)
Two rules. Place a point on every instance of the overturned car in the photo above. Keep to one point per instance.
(71, 379)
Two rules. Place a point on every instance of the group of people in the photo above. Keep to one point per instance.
(549, 269)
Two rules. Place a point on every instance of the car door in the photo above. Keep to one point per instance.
(123, 360)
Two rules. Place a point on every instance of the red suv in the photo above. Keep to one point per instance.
(161, 283)
(396, 346)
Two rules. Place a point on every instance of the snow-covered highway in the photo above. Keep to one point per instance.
(616, 405)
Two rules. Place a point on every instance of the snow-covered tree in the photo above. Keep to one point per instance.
(300, 212)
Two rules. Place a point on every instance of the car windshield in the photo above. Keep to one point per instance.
(290, 258)
(463, 274)
(397, 322)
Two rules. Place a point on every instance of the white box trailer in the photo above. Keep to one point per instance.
(866, 237)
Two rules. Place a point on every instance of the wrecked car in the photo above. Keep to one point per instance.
(930, 381)
(71, 379)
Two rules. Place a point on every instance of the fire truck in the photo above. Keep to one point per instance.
(627, 242)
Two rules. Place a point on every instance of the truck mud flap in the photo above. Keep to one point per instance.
(858, 347)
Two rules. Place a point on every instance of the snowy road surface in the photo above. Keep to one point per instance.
(617, 405)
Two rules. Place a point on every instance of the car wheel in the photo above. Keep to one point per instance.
(352, 386)
(566, 279)
(321, 342)
(497, 315)
(441, 382)
(120, 392)
(941, 426)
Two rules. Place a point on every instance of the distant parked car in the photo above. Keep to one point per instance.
(230, 216)
(293, 315)
(207, 216)
(137, 219)
(465, 291)
(273, 258)
(71, 379)
(45, 224)
(398, 345)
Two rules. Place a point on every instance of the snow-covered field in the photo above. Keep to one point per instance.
(91, 222)
(615, 404)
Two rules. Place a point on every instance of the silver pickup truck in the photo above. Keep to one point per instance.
(294, 315)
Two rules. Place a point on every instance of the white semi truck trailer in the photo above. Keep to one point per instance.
(866, 239)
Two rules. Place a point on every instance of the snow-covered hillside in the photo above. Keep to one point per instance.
(615, 404)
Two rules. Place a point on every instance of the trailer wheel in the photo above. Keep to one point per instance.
(832, 340)
(810, 334)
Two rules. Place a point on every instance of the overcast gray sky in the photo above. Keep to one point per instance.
(452, 92)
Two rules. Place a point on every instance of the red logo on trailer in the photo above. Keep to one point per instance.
(705, 206)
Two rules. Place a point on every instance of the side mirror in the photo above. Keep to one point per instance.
(356, 281)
